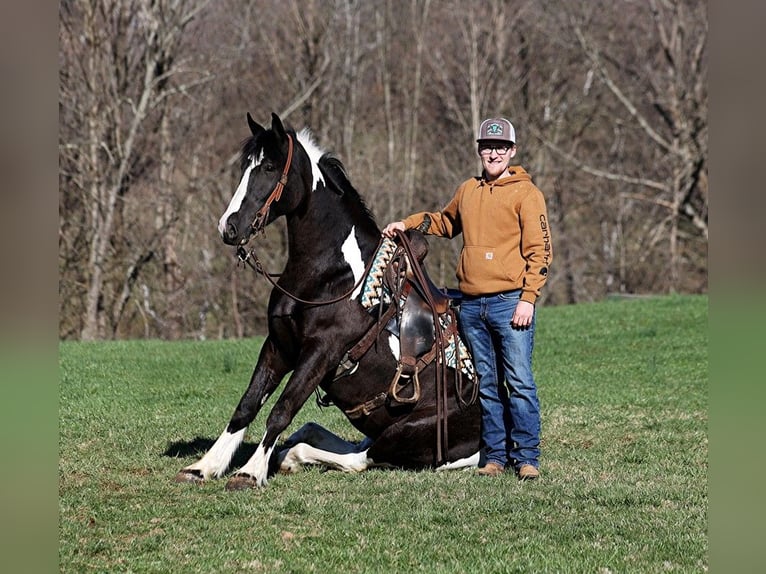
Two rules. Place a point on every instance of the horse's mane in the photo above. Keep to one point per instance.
(335, 175)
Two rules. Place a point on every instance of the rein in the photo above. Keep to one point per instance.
(437, 352)
(246, 257)
(442, 440)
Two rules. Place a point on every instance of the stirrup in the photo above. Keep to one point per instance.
(395, 383)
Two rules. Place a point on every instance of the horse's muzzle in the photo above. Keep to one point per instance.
(230, 233)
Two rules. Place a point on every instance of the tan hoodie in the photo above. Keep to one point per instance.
(506, 238)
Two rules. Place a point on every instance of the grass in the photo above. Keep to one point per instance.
(623, 388)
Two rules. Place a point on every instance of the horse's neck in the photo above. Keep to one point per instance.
(329, 247)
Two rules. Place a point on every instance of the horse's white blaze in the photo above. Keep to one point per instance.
(314, 153)
(239, 195)
(258, 465)
(353, 256)
(393, 344)
(217, 459)
(470, 462)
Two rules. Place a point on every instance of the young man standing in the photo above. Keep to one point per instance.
(503, 266)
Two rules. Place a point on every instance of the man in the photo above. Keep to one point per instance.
(503, 266)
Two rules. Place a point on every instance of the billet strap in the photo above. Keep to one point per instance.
(366, 408)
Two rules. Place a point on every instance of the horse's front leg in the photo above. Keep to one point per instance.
(298, 389)
(267, 375)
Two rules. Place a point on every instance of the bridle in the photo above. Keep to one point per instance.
(246, 256)
(259, 221)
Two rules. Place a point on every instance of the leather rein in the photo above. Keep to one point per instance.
(437, 352)
(246, 256)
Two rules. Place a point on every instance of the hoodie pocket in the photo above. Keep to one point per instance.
(479, 264)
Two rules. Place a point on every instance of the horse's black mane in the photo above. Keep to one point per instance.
(339, 182)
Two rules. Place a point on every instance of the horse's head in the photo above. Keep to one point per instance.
(271, 183)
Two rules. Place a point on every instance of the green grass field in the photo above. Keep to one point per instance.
(623, 390)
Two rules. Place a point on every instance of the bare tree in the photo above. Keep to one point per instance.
(609, 101)
(660, 97)
(121, 57)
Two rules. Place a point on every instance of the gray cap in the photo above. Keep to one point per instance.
(497, 129)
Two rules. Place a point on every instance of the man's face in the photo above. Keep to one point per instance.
(495, 156)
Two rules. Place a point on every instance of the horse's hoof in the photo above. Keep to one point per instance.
(189, 475)
(241, 482)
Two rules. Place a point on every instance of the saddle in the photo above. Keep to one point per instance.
(415, 302)
(423, 317)
(424, 304)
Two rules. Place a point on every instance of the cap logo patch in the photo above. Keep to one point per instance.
(494, 130)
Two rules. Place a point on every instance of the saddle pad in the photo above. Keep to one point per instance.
(373, 288)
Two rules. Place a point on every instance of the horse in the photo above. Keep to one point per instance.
(315, 318)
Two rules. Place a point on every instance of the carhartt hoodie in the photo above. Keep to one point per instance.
(506, 237)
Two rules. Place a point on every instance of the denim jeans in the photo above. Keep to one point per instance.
(502, 357)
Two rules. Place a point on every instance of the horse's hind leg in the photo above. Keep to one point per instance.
(266, 377)
(314, 444)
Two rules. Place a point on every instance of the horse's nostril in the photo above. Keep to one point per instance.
(231, 230)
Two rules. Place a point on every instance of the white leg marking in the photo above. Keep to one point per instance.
(470, 462)
(393, 344)
(217, 459)
(258, 465)
(302, 454)
(353, 256)
(314, 444)
(239, 196)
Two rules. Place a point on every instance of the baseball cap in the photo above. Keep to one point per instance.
(498, 129)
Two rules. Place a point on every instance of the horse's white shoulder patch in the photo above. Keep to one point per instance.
(353, 256)
(314, 152)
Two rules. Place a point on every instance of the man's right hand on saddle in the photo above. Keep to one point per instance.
(391, 229)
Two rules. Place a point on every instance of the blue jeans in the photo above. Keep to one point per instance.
(502, 357)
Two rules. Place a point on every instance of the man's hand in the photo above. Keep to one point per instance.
(390, 229)
(522, 316)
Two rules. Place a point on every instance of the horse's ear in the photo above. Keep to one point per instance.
(255, 127)
(277, 127)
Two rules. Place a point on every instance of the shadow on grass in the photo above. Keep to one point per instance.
(198, 446)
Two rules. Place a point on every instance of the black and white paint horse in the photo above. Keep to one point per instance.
(332, 237)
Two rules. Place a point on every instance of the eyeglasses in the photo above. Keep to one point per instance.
(500, 149)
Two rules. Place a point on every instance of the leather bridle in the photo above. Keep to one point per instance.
(259, 221)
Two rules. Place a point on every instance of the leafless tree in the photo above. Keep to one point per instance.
(120, 59)
(609, 101)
